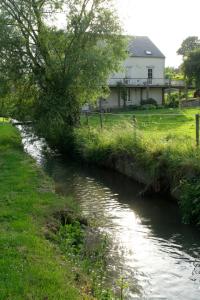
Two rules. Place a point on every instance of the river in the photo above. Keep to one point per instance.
(158, 256)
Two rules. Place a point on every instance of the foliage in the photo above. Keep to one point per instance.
(30, 267)
(190, 201)
(72, 238)
(191, 67)
(88, 253)
(122, 285)
(188, 45)
(66, 67)
(163, 145)
(174, 73)
(149, 101)
(172, 100)
(147, 107)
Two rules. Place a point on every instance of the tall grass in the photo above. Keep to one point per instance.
(176, 156)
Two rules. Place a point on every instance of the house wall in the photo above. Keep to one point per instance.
(135, 97)
(155, 93)
(137, 67)
(112, 100)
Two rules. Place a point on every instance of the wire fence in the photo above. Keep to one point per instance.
(185, 126)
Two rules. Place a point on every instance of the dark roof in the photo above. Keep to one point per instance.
(142, 46)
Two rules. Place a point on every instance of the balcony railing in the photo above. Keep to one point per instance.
(143, 82)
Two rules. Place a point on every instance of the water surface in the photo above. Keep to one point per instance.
(150, 247)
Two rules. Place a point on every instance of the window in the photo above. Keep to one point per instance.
(148, 52)
(150, 75)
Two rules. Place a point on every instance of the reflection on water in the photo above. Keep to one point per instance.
(158, 256)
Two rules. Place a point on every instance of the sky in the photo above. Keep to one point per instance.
(166, 22)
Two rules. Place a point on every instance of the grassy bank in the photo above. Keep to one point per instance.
(161, 122)
(163, 148)
(31, 267)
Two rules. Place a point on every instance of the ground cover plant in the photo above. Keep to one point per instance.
(161, 140)
(31, 267)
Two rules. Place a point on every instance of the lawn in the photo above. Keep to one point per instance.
(160, 122)
(30, 266)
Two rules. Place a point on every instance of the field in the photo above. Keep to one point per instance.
(164, 123)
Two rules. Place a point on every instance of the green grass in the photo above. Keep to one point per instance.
(31, 267)
(163, 143)
(159, 122)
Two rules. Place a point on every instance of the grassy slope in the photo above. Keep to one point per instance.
(30, 267)
(161, 144)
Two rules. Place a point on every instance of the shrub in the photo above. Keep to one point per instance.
(190, 201)
(131, 107)
(149, 101)
(148, 106)
(172, 101)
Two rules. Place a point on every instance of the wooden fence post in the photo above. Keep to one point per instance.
(197, 130)
(87, 119)
(101, 120)
(134, 125)
(186, 91)
(134, 120)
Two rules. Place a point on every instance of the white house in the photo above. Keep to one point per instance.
(142, 76)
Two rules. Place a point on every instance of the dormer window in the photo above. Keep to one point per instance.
(148, 52)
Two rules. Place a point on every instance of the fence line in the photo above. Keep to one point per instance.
(139, 124)
(139, 114)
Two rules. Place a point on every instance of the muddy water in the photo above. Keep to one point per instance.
(158, 255)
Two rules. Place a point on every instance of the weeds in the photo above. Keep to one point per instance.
(172, 156)
(88, 251)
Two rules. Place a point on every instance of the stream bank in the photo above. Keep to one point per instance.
(162, 168)
(155, 253)
(36, 225)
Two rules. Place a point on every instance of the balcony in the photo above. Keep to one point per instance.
(146, 82)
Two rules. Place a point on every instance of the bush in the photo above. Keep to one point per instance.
(148, 106)
(172, 101)
(190, 201)
(132, 107)
(149, 101)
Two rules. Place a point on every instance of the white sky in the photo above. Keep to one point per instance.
(166, 22)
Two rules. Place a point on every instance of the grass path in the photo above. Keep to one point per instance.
(30, 266)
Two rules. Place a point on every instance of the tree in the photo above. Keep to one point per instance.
(66, 67)
(173, 73)
(189, 44)
(191, 67)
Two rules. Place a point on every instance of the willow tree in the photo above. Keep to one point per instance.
(68, 66)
